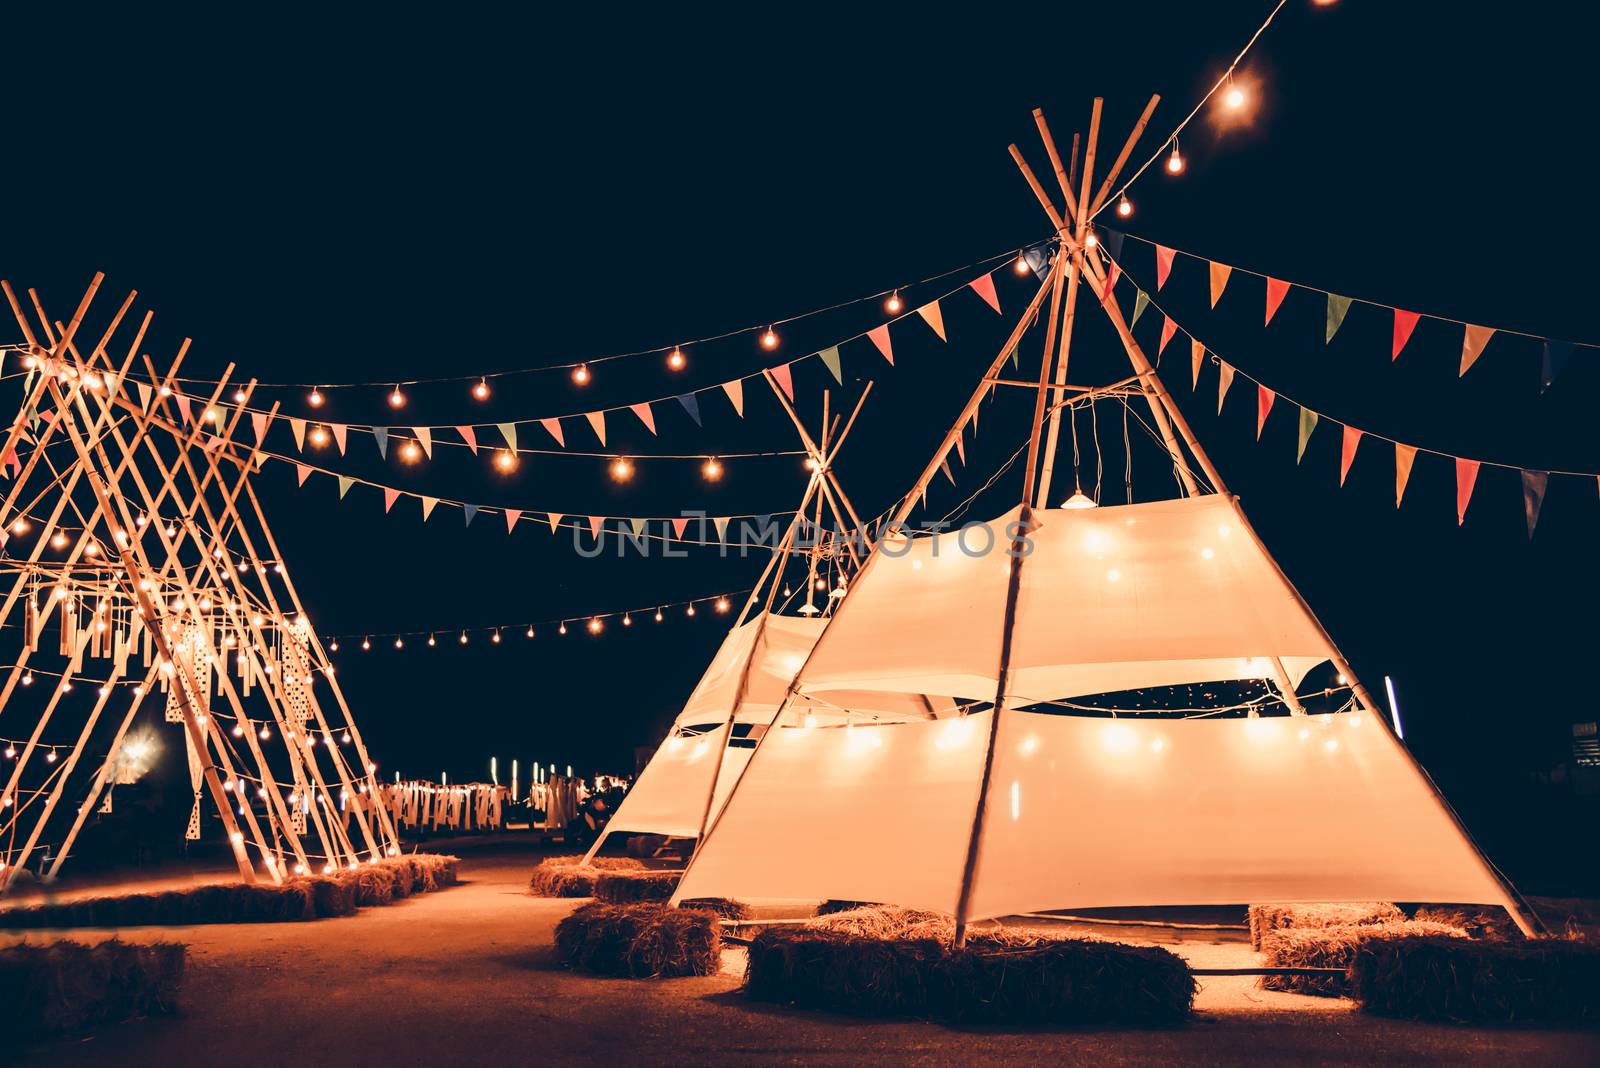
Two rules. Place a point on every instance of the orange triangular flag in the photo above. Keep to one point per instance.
(1224, 380)
(935, 318)
(1112, 274)
(470, 436)
(1164, 258)
(1404, 457)
(553, 428)
(596, 525)
(1276, 291)
(258, 422)
(301, 473)
(427, 507)
(1472, 345)
(1466, 478)
(1347, 451)
(645, 415)
(1197, 355)
(983, 285)
(880, 338)
(1168, 328)
(1219, 280)
(735, 392)
(1404, 323)
(297, 427)
(389, 497)
(339, 432)
(184, 408)
(555, 519)
(961, 448)
(598, 421)
(512, 515)
(679, 524)
(721, 523)
(425, 439)
(1264, 399)
(785, 381)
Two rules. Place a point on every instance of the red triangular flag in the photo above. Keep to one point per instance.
(1112, 275)
(1404, 457)
(470, 436)
(880, 338)
(1197, 355)
(735, 392)
(339, 432)
(935, 318)
(512, 515)
(597, 420)
(1472, 343)
(983, 285)
(1219, 280)
(596, 525)
(1264, 399)
(1276, 291)
(184, 408)
(301, 473)
(389, 497)
(1168, 328)
(678, 526)
(1466, 478)
(1404, 323)
(1164, 257)
(786, 381)
(645, 415)
(1347, 451)
(553, 428)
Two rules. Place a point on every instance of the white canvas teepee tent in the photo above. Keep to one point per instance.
(1014, 809)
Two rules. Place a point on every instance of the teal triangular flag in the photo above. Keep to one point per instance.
(344, 485)
(510, 432)
(830, 356)
(691, 404)
(1014, 362)
(1140, 303)
(380, 434)
(1308, 423)
(470, 511)
(1337, 306)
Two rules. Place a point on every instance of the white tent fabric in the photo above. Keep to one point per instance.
(670, 795)
(1087, 812)
(1112, 598)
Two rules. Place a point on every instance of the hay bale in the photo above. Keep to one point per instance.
(725, 907)
(1264, 918)
(1466, 981)
(816, 968)
(833, 905)
(570, 877)
(331, 896)
(1478, 921)
(630, 887)
(1332, 947)
(373, 883)
(597, 936)
(675, 942)
(68, 987)
(1065, 982)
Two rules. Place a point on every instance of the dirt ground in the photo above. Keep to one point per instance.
(466, 975)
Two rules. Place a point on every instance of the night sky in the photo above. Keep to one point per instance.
(396, 199)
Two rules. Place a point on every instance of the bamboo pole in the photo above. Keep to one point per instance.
(1122, 159)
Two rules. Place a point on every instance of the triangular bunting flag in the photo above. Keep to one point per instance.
(1197, 356)
(1164, 257)
(1404, 323)
(880, 338)
(597, 523)
(470, 436)
(933, 316)
(1466, 478)
(597, 420)
(961, 448)
(1533, 487)
(380, 434)
(553, 428)
(830, 360)
(389, 497)
(340, 432)
(345, 482)
(258, 423)
(1347, 451)
(1264, 399)
(1337, 307)
(1112, 274)
(1168, 328)
(785, 381)
(1404, 457)
(1141, 301)
(944, 465)
(509, 432)
(1219, 280)
(301, 473)
(1308, 424)
(427, 507)
(983, 285)
(469, 512)
(1472, 343)
(735, 392)
(721, 523)
(1112, 239)
(1276, 291)
(679, 525)
(691, 404)
(554, 519)
(425, 439)
(185, 408)
(145, 392)
(297, 427)
(638, 526)
(1224, 380)
(1556, 355)
(645, 415)
(512, 515)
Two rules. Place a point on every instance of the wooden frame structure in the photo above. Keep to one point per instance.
(132, 529)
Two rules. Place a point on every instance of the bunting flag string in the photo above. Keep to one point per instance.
(1554, 353)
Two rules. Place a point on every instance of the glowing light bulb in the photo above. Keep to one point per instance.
(411, 452)
(397, 399)
(266, 732)
(627, 621)
(399, 643)
(480, 391)
(92, 549)
(432, 641)
(27, 680)
(676, 360)
(1124, 206)
(319, 436)
(711, 469)
(595, 626)
(1234, 98)
(1079, 500)
(238, 730)
(495, 637)
(658, 615)
(530, 631)
(59, 541)
(580, 374)
(810, 463)
(505, 460)
(1021, 266)
(1175, 161)
(315, 398)
(463, 638)
(50, 757)
(621, 469)
(20, 526)
(690, 612)
(722, 604)
(563, 628)
(366, 643)
(333, 647)
(894, 303)
(769, 340)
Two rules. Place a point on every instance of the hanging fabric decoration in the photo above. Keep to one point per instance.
(297, 427)
(1466, 478)
(1556, 355)
(691, 404)
(1264, 399)
(1347, 451)
(425, 439)
(553, 428)
(597, 420)
(301, 473)
(344, 485)
(1113, 242)
(961, 446)
(638, 526)
(512, 515)
(1112, 274)
(934, 317)
(597, 524)
(1219, 280)
(380, 434)
(1224, 380)
(470, 436)
(1038, 261)
(735, 392)
(185, 409)
(427, 507)
(340, 432)
(258, 423)
(1404, 457)
(1197, 356)
(983, 285)
(1404, 323)
(1168, 328)
(785, 381)
(1276, 291)
(470, 511)
(1141, 301)
(721, 524)
(509, 432)
(679, 525)
(554, 519)
(830, 357)
(879, 336)
(1164, 257)
(645, 415)
(1533, 487)
(1308, 424)
(1337, 307)
(389, 497)
(1472, 344)
(145, 393)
